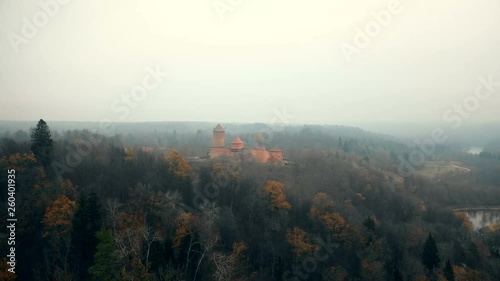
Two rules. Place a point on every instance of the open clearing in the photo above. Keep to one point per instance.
(433, 169)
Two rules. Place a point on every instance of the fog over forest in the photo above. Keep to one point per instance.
(235, 140)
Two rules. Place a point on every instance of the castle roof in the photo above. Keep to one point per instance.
(237, 140)
(218, 128)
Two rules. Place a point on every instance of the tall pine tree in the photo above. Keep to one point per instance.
(86, 223)
(448, 271)
(104, 258)
(41, 143)
(397, 275)
(430, 256)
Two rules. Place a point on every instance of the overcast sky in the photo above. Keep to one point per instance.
(266, 61)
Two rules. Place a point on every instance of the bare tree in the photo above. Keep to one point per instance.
(209, 233)
(224, 266)
(113, 206)
(150, 236)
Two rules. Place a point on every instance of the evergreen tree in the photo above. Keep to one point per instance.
(80, 221)
(85, 224)
(104, 258)
(430, 256)
(369, 223)
(345, 146)
(448, 271)
(173, 141)
(397, 275)
(94, 213)
(41, 143)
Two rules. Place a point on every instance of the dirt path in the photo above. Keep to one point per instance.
(463, 168)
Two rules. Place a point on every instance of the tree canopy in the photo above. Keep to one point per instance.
(42, 144)
(430, 256)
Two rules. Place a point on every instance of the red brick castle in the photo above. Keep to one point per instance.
(237, 149)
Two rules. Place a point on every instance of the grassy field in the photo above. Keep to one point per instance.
(436, 169)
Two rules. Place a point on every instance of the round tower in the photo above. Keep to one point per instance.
(219, 136)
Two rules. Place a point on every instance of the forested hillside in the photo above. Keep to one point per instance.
(337, 209)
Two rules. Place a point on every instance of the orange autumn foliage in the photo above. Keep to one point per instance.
(129, 154)
(467, 274)
(336, 225)
(296, 237)
(314, 213)
(333, 222)
(68, 189)
(186, 227)
(465, 220)
(276, 190)
(238, 250)
(322, 202)
(18, 162)
(41, 178)
(178, 165)
(58, 216)
(125, 221)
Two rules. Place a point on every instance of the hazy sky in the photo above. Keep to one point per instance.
(265, 60)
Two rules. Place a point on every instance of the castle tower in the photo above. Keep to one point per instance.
(237, 144)
(276, 155)
(219, 136)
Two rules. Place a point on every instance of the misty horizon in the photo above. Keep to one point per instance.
(92, 61)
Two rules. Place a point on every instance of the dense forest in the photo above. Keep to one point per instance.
(91, 206)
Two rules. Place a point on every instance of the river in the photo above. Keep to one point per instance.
(475, 150)
(482, 218)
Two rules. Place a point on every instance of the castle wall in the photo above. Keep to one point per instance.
(219, 151)
(260, 154)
